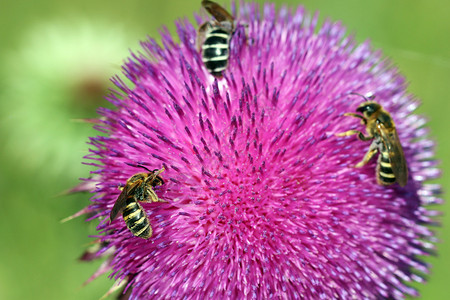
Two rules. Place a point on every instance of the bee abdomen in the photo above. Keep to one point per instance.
(136, 219)
(142, 228)
(215, 50)
(385, 173)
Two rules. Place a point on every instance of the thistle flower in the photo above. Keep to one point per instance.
(262, 199)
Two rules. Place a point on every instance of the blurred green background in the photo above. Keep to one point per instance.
(56, 58)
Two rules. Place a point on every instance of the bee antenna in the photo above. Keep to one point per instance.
(143, 167)
(365, 98)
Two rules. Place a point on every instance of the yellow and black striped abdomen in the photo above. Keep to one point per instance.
(215, 50)
(136, 219)
(385, 174)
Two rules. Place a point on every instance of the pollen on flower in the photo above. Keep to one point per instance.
(261, 196)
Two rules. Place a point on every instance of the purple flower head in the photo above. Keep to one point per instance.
(261, 197)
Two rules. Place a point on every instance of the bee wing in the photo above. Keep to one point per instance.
(396, 155)
(201, 35)
(119, 205)
(217, 11)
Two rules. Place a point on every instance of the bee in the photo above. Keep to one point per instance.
(214, 38)
(391, 165)
(139, 188)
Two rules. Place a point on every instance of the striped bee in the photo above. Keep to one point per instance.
(139, 188)
(214, 37)
(380, 127)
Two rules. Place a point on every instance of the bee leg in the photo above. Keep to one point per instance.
(155, 173)
(363, 120)
(361, 136)
(372, 150)
(151, 196)
(201, 34)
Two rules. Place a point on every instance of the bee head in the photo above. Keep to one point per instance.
(368, 108)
